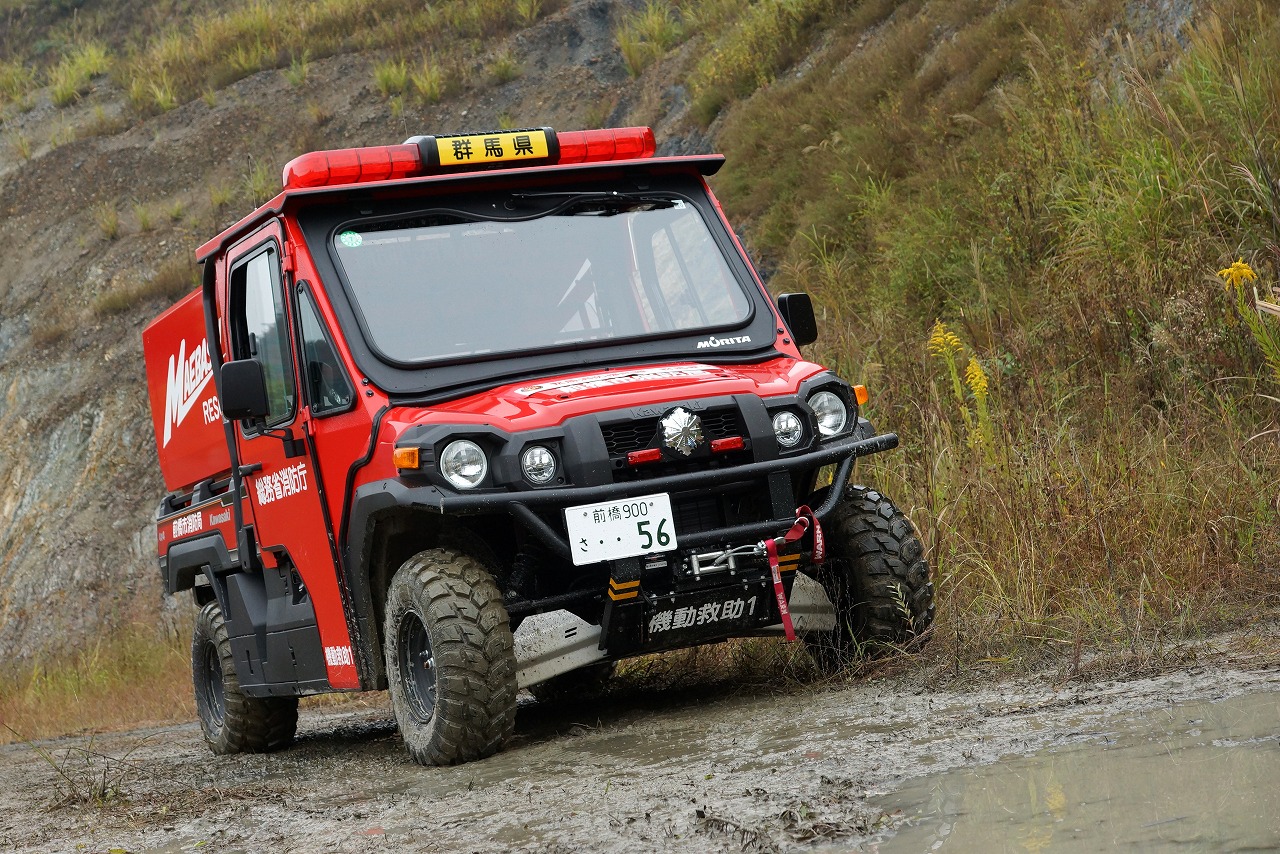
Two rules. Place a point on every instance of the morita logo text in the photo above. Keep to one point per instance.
(188, 375)
(713, 341)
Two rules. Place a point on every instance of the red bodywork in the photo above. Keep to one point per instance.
(295, 503)
(184, 405)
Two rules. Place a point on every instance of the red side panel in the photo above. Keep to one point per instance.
(184, 403)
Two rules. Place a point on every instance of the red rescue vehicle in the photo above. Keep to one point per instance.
(485, 412)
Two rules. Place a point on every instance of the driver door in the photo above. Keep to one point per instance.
(277, 459)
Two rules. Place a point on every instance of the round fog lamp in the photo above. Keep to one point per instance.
(464, 464)
(788, 428)
(831, 412)
(539, 465)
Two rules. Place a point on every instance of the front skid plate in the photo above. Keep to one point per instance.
(554, 643)
(557, 642)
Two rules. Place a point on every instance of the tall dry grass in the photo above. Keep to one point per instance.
(133, 677)
(1061, 205)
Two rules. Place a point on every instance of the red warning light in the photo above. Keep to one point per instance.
(422, 155)
(352, 166)
(588, 146)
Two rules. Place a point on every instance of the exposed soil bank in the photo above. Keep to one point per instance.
(644, 770)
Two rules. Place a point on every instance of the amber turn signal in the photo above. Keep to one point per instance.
(860, 394)
(405, 458)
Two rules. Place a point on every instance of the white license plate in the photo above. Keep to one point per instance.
(617, 529)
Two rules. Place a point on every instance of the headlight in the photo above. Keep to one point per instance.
(831, 412)
(539, 465)
(463, 464)
(789, 429)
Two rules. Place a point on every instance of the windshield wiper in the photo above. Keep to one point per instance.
(609, 202)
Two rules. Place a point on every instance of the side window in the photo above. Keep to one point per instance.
(328, 388)
(261, 330)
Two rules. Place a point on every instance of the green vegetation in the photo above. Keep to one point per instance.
(143, 216)
(1087, 436)
(108, 220)
(504, 68)
(744, 45)
(646, 35)
(221, 195)
(20, 144)
(261, 182)
(299, 68)
(71, 77)
(222, 46)
(429, 82)
(768, 36)
(391, 77)
(16, 83)
(527, 11)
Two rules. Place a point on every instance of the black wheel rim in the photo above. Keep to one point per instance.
(417, 667)
(212, 692)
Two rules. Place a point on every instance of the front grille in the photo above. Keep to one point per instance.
(722, 424)
(629, 436)
(694, 515)
(626, 436)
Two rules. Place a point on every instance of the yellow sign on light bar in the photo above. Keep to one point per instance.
(493, 147)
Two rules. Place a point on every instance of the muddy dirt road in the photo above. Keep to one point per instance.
(886, 764)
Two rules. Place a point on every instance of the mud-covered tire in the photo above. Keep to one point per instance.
(450, 656)
(232, 721)
(876, 577)
(585, 683)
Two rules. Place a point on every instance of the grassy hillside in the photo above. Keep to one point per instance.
(1012, 219)
(1011, 216)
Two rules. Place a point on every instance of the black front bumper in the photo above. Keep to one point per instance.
(523, 506)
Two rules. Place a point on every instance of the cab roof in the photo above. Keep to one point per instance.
(436, 161)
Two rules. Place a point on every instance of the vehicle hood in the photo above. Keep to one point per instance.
(548, 402)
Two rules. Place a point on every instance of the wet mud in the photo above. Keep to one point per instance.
(1200, 776)
(886, 764)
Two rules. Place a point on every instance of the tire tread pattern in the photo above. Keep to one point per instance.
(474, 653)
(249, 724)
(876, 576)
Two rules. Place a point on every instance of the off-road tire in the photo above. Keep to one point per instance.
(450, 656)
(585, 683)
(232, 721)
(876, 577)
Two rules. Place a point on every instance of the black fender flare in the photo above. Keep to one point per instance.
(208, 554)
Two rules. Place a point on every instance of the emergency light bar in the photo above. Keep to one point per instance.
(427, 155)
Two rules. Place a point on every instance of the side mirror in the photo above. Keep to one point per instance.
(244, 390)
(797, 313)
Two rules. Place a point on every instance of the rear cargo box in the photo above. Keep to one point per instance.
(184, 404)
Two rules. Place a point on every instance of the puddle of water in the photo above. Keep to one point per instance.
(1194, 777)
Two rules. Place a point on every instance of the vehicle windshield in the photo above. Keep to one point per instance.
(599, 267)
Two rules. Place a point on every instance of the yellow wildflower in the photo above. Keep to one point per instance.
(1237, 274)
(943, 342)
(976, 378)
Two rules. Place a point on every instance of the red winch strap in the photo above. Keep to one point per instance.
(805, 521)
(771, 549)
